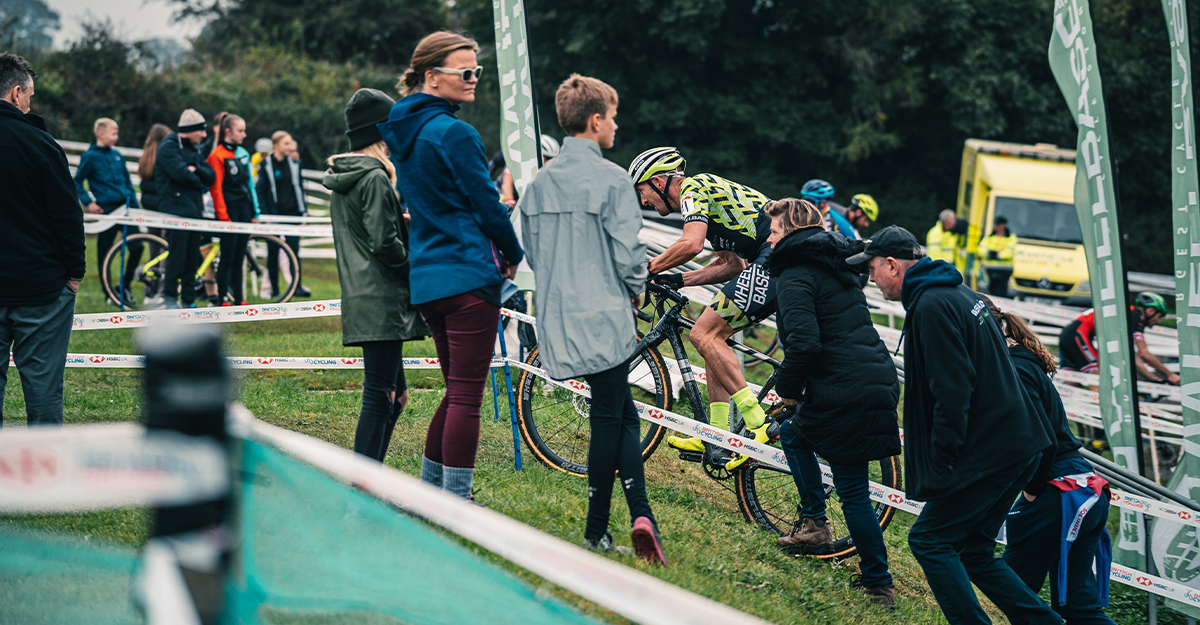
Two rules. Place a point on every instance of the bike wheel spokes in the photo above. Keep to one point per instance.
(133, 270)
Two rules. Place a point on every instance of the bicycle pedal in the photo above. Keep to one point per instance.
(691, 456)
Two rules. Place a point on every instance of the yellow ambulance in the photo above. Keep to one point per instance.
(1032, 186)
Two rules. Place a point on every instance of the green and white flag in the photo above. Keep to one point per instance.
(1073, 60)
(1174, 545)
(518, 122)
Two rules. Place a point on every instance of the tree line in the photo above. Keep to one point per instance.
(876, 96)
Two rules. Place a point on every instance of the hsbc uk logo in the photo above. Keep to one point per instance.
(96, 359)
(319, 307)
(28, 467)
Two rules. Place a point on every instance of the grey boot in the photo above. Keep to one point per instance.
(431, 472)
(458, 481)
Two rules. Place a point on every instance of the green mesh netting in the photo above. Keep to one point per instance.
(315, 551)
(50, 580)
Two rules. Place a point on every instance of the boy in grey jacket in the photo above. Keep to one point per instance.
(580, 219)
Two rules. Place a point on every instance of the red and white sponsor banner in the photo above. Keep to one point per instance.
(150, 219)
(123, 361)
(215, 314)
(81, 467)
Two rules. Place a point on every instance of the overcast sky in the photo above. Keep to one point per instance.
(135, 19)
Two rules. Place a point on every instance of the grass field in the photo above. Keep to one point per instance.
(713, 551)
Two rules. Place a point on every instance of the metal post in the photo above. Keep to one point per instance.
(512, 404)
(121, 286)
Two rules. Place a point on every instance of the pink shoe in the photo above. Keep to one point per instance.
(647, 543)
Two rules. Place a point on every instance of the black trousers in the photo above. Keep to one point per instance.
(182, 263)
(998, 280)
(133, 253)
(616, 448)
(1034, 533)
(230, 277)
(383, 385)
(273, 262)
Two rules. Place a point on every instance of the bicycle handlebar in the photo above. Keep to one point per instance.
(666, 292)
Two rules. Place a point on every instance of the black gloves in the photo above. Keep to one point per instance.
(993, 255)
(669, 280)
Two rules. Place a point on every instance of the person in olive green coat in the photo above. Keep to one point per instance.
(371, 238)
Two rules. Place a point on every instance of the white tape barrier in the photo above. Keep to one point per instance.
(81, 467)
(150, 219)
(294, 219)
(626, 591)
(215, 314)
(123, 361)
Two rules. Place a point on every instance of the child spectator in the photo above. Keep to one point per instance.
(108, 187)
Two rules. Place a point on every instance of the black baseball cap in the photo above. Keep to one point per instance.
(892, 241)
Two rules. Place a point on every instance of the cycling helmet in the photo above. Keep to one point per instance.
(1152, 300)
(867, 204)
(816, 189)
(549, 147)
(656, 161)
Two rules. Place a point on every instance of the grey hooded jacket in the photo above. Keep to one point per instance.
(580, 219)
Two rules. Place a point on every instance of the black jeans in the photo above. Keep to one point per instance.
(273, 262)
(182, 262)
(1034, 532)
(383, 385)
(998, 280)
(616, 447)
(954, 541)
(230, 276)
(38, 337)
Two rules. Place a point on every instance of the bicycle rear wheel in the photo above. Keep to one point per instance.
(767, 496)
(256, 280)
(144, 283)
(554, 421)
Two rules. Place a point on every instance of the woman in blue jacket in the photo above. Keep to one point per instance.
(461, 242)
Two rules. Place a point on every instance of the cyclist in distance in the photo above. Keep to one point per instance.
(733, 219)
(1076, 344)
(863, 210)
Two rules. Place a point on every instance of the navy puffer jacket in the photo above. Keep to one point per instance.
(834, 360)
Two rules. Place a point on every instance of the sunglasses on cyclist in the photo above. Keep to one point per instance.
(465, 74)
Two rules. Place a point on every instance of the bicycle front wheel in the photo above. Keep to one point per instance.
(554, 421)
(768, 496)
(135, 267)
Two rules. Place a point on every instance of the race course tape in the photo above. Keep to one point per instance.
(125, 361)
(142, 218)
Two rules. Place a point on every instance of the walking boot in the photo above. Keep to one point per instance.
(812, 536)
(884, 595)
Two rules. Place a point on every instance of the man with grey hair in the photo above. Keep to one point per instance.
(946, 239)
(41, 233)
(973, 435)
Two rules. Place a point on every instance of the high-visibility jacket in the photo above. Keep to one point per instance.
(941, 244)
(1004, 247)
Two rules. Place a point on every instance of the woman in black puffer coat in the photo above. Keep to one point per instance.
(840, 377)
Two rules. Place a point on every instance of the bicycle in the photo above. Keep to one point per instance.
(152, 271)
(553, 423)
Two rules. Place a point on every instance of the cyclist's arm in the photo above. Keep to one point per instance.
(686, 248)
(723, 268)
(1148, 361)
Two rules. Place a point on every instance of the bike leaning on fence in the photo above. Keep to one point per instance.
(553, 423)
(145, 285)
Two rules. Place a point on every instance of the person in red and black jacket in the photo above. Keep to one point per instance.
(233, 200)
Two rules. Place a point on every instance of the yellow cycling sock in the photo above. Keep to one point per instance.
(718, 415)
(747, 404)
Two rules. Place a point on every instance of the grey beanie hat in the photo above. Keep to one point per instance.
(367, 108)
(190, 121)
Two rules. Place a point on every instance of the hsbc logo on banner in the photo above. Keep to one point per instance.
(895, 498)
(28, 467)
(185, 316)
(349, 361)
(319, 308)
(97, 359)
(140, 220)
(1144, 581)
(430, 361)
(265, 361)
(736, 443)
(1184, 514)
(252, 312)
(577, 385)
(115, 319)
(654, 413)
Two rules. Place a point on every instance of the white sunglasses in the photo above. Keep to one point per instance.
(465, 74)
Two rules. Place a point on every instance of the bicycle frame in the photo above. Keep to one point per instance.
(668, 329)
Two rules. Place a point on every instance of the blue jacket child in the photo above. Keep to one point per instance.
(458, 221)
(108, 180)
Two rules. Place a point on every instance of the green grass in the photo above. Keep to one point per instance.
(713, 551)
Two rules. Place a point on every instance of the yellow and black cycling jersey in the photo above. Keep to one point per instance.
(734, 213)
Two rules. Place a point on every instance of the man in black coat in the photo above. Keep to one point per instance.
(183, 175)
(972, 434)
(41, 233)
(837, 365)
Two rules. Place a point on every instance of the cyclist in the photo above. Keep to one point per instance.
(833, 218)
(733, 219)
(1077, 350)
